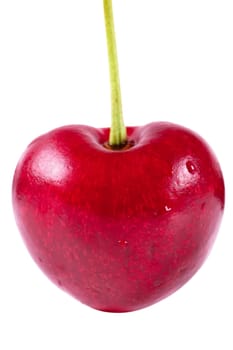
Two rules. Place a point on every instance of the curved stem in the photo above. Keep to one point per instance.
(117, 135)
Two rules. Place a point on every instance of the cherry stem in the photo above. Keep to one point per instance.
(117, 136)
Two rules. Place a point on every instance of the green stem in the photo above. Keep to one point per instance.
(117, 136)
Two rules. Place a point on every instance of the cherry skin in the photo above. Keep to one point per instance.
(119, 229)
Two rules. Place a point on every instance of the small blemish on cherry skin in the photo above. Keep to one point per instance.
(122, 243)
(167, 208)
(190, 167)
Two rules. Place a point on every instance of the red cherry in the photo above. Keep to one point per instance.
(119, 229)
(118, 218)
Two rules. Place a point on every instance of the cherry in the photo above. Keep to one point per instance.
(119, 218)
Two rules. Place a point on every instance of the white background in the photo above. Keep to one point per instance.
(176, 62)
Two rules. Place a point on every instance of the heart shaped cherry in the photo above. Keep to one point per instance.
(120, 222)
